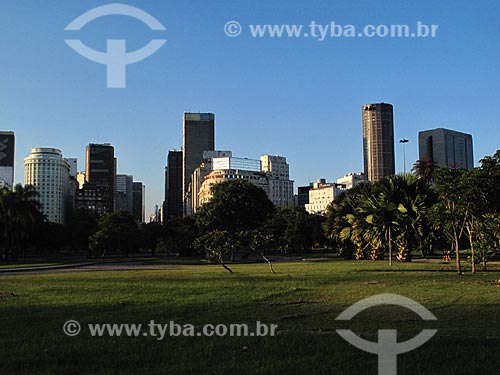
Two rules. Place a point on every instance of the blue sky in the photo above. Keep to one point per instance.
(296, 97)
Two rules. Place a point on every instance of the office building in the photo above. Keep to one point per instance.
(49, 173)
(447, 148)
(124, 193)
(378, 141)
(270, 173)
(303, 194)
(321, 195)
(7, 156)
(173, 186)
(198, 135)
(257, 178)
(92, 198)
(278, 172)
(198, 176)
(73, 166)
(100, 171)
(351, 179)
(139, 202)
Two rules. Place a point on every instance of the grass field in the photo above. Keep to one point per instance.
(302, 298)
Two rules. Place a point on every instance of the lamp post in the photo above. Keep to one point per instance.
(404, 141)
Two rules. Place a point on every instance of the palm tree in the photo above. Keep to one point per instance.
(425, 168)
(19, 215)
(345, 222)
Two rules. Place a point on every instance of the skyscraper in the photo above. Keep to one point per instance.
(49, 173)
(7, 148)
(447, 148)
(138, 204)
(378, 141)
(173, 186)
(198, 135)
(124, 193)
(100, 171)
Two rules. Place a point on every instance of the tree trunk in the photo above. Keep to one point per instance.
(221, 261)
(457, 253)
(268, 262)
(473, 253)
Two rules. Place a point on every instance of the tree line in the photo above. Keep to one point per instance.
(433, 209)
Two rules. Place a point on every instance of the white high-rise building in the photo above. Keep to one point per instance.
(321, 195)
(280, 185)
(48, 172)
(351, 179)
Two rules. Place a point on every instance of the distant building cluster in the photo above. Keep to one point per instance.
(99, 189)
(191, 171)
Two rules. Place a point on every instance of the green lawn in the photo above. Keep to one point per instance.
(302, 298)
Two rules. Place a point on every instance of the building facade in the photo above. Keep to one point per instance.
(280, 185)
(49, 173)
(173, 186)
(303, 194)
(7, 157)
(92, 198)
(257, 178)
(447, 148)
(198, 135)
(124, 193)
(378, 141)
(351, 179)
(321, 195)
(139, 202)
(100, 171)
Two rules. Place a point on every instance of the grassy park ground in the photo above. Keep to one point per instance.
(302, 298)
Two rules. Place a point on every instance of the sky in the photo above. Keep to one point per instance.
(297, 97)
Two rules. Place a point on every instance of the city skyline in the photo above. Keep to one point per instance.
(51, 97)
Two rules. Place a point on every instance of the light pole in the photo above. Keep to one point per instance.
(404, 141)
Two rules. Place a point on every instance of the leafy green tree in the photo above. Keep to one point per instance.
(177, 236)
(236, 206)
(117, 232)
(488, 238)
(19, 216)
(82, 225)
(345, 223)
(217, 244)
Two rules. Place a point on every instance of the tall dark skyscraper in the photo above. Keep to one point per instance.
(7, 141)
(173, 186)
(100, 171)
(198, 135)
(138, 202)
(447, 148)
(378, 141)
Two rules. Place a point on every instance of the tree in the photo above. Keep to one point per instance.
(117, 232)
(425, 168)
(236, 206)
(19, 215)
(449, 212)
(345, 222)
(82, 225)
(217, 244)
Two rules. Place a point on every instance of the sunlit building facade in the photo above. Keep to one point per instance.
(49, 173)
